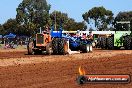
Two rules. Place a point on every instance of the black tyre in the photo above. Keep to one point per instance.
(98, 43)
(110, 43)
(101, 43)
(127, 42)
(49, 50)
(104, 43)
(55, 45)
(62, 46)
(30, 47)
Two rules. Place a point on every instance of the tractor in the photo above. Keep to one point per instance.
(116, 40)
(48, 41)
(55, 42)
(42, 42)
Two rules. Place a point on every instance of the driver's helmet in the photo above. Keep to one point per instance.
(46, 28)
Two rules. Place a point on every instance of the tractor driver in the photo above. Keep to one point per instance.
(46, 30)
(47, 34)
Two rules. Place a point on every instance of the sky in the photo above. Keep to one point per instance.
(74, 8)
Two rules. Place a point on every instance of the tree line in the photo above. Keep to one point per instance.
(33, 15)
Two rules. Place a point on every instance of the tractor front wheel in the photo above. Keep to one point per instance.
(30, 48)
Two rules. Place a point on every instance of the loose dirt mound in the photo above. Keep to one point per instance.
(25, 71)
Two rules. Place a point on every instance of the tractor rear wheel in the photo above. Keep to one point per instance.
(110, 43)
(62, 46)
(55, 45)
(127, 42)
(49, 50)
(103, 43)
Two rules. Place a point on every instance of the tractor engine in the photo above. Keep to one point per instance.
(42, 39)
(39, 39)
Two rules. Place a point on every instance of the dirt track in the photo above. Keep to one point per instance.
(19, 70)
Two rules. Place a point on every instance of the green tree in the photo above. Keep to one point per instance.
(61, 19)
(2, 31)
(99, 16)
(123, 16)
(69, 25)
(33, 14)
(80, 26)
(58, 19)
(10, 26)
